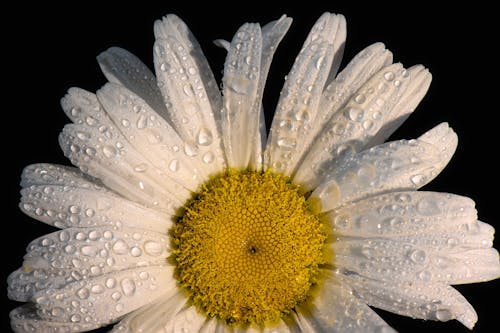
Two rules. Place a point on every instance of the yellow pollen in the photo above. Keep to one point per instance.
(247, 247)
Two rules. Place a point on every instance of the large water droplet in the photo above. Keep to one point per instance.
(153, 248)
(109, 151)
(208, 157)
(135, 251)
(389, 76)
(287, 143)
(342, 221)
(128, 287)
(120, 247)
(355, 114)
(97, 289)
(110, 283)
(443, 315)
(83, 293)
(204, 137)
(89, 250)
(190, 150)
(418, 256)
(174, 165)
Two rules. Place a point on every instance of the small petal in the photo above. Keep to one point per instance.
(87, 208)
(335, 309)
(123, 68)
(434, 301)
(298, 105)
(394, 166)
(98, 302)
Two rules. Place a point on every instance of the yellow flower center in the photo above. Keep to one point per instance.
(247, 247)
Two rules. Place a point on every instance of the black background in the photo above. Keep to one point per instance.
(46, 50)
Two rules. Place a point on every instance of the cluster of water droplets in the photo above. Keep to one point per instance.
(412, 235)
(69, 272)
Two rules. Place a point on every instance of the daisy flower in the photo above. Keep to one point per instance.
(184, 216)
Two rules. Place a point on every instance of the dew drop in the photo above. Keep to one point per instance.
(119, 307)
(128, 287)
(204, 137)
(417, 256)
(97, 289)
(360, 98)
(342, 221)
(109, 151)
(135, 251)
(88, 250)
(75, 318)
(64, 236)
(125, 123)
(208, 157)
(174, 165)
(142, 122)
(190, 150)
(355, 114)
(116, 295)
(153, 248)
(418, 180)
(110, 283)
(287, 143)
(120, 247)
(83, 293)
(141, 167)
(389, 76)
(428, 206)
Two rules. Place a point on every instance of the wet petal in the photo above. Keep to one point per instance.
(76, 254)
(394, 166)
(336, 310)
(123, 68)
(96, 301)
(356, 124)
(434, 301)
(67, 206)
(242, 105)
(298, 105)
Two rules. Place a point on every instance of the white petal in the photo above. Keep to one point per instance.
(394, 166)
(116, 163)
(402, 214)
(171, 25)
(336, 310)
(241, 104)
(298, 105)
(435, 301)
(422, 257)
(188, 106)
(25, 319)
(53, 174)
(272, 34)
(99, 302)
(76, 254)
(155, 139)
(355, 124)
(170, 313)
(420, 80)
(67, 206)
(122, 67)
(359, 70)
(98, 148)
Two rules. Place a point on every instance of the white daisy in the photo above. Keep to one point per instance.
(183, 217)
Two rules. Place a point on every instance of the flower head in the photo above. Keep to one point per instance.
(184, 215)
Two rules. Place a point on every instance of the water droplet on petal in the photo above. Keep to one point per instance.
(120, 247)
(135, 251)
(128, 287)
(83, 293)
(418, 256)
(208, 157)
(141, 167)
(174, 165)
(204, 137)
(153, 248)
(389, 76)
(190, 150)
(109, 151)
